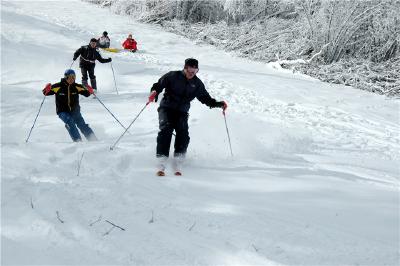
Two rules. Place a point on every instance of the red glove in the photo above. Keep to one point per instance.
(152, 96)
(90, 89)
(225, 106)
(47, 89)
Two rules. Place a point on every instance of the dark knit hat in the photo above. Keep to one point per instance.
(93, 40)
(192, 63)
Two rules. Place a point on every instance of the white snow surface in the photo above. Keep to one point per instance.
(314, 179)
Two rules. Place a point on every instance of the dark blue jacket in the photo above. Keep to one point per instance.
(180, 91)
(89, 56)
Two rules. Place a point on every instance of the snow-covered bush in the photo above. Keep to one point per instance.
(366, 29)
(330, 33)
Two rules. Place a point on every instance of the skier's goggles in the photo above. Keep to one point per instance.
(70, 76)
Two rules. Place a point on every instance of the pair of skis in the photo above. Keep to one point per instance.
(176, 164)
(162, 173)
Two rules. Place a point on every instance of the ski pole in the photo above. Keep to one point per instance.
(71, 64)
(115, 83)
(113, 146)
(97, 97)
(227, 132)
(34, 122)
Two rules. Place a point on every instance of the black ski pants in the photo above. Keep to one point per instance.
(170, 120)
(88, 69)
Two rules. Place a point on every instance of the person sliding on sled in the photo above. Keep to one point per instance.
(181, 87)
(88, 56)
(67, 105)
(130, 44)
(104, 41)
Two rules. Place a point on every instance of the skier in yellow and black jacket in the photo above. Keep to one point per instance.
(67, 105)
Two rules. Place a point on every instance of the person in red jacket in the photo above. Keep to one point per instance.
(130, 44)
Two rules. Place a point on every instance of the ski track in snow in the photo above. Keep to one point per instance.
(314, 179)
(325, 123)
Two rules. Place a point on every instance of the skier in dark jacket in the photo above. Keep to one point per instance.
(67, 105)
(88, 56)
(181, 87)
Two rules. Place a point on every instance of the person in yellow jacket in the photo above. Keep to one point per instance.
(67, 105)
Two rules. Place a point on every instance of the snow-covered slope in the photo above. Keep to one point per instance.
(314, 179)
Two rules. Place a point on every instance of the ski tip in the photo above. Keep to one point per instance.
(177, 173)
(160, 173)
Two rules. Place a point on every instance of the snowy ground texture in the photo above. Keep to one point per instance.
(314, 179)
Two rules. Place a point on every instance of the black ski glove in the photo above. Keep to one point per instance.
(217, 104)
